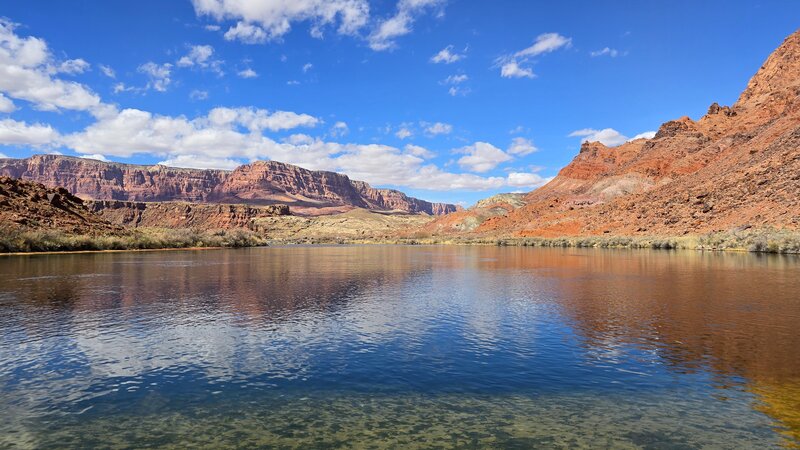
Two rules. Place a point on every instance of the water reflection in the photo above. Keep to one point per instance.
(502, 346)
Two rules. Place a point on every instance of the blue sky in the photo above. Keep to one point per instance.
(446, 100)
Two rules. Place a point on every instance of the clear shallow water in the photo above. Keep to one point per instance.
(399, 347)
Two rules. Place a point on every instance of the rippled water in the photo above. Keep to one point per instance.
(400, 347)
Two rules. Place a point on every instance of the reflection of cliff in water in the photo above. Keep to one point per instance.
(735, 315)
(168, 309)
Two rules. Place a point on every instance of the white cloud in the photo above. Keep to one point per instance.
(458, 90)
(96, 157)
(246, 33)
(521, 146)
(517, 130)
(605, 52)
(513, 66)
(404, 133)
(226, 130)
(482, 157)
(198, 95)
(247, 73)
(13, 132)
(201, 162)
(339, 129)
(512, 69)
(455, 84)
(384, 36)
(263, 20)
(158, 74)
(3, 156)
(545, 43)
(455, 79)
(108, 71)
(201, 56)
(212, 27)
(645, 135)
(26, 73)
(606, 136)
(447, 56)
(292, 83)
(6, 105)
(526, 180)
(73, 66)
(421, 152)
(307, 67)
(437, 128)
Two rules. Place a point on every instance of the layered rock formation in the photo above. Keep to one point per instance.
(737, 166)
(183, 215)
(29, 206)
(259, 183)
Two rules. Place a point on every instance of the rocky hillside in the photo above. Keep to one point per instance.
(183, 215)
(28, 206)
(259, 183)
(736, 167)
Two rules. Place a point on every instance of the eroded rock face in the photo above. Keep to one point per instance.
(735, 166)
(202, 216)
(259, 183)
(25, 205)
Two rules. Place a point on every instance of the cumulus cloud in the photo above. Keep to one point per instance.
(404, 133)
(521, 146)
(6, 105)
(246, 33)
(13, 132)
(447, 56)
(437, 128)
(339, 129)
(387, 31)
(421, 152)
(225, 130)
(73, 66)
(512, 69)
(263, 20)
(526, 180)
(307, 67)
(201, 56)
(247, 73)
(158, 75)
(96, 157)
(645, 135)
(514, 65)
(482, 157)
(27, 71)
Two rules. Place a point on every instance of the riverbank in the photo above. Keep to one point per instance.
(28, 242)
(22, 241)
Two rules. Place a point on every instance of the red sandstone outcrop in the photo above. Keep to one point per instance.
(183, 215)
(736, 166)
(258, 183)
(25, 205)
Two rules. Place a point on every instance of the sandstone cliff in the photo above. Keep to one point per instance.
(183, 215)
(258, 183)
(737, 166)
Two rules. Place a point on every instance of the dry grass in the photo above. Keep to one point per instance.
(15, 240)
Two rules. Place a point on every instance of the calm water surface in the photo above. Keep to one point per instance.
(398, 347)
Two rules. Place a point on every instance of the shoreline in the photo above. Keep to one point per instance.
(704, 243)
